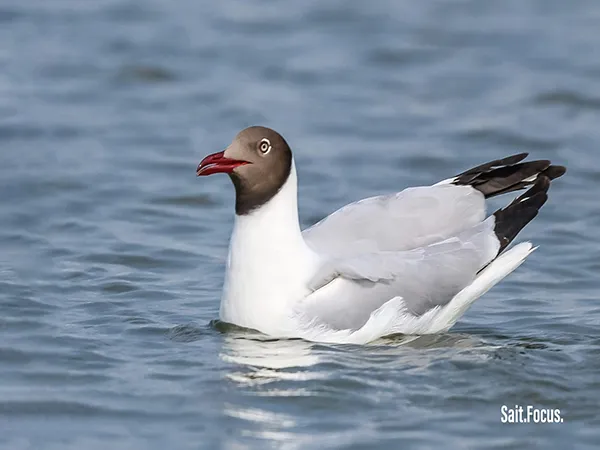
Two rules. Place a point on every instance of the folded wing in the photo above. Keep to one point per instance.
(407, 220)
(422, 246)
(420, 216)
(348, 290)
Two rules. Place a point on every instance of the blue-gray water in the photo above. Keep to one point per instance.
(112, 251)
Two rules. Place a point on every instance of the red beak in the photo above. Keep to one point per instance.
(217, 163)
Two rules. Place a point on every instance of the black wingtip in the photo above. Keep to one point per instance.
(554, 172)
(522, 210)
(508, 174)
(508, 161)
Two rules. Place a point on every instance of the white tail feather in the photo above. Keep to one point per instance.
(498, 269)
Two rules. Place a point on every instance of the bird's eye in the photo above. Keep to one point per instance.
(264, 145)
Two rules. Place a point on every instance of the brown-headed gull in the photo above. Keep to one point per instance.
(410, 262)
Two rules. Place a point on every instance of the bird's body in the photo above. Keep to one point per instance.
(410, 262)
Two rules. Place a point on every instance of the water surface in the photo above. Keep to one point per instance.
(112, 252)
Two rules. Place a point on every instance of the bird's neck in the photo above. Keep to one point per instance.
(276, 221)
(269, 262)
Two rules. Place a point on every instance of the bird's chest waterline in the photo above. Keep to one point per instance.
(263, 283)
(260, 290)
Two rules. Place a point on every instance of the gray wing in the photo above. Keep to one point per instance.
(348, 290)
(407, 220)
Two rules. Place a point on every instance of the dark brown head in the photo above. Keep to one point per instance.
(258, 161)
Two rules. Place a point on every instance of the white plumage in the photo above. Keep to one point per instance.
(401, 263)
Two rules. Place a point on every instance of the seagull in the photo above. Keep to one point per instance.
(410, 262)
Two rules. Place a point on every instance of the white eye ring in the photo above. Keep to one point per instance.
(265, 146)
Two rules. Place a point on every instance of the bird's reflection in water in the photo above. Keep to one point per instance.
(278, 377)
(261, 360)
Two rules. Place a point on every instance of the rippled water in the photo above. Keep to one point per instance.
(112, 252)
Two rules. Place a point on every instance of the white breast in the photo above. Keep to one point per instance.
(269, 265)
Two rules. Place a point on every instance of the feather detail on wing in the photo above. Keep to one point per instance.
(347, 290)
(407, 220)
